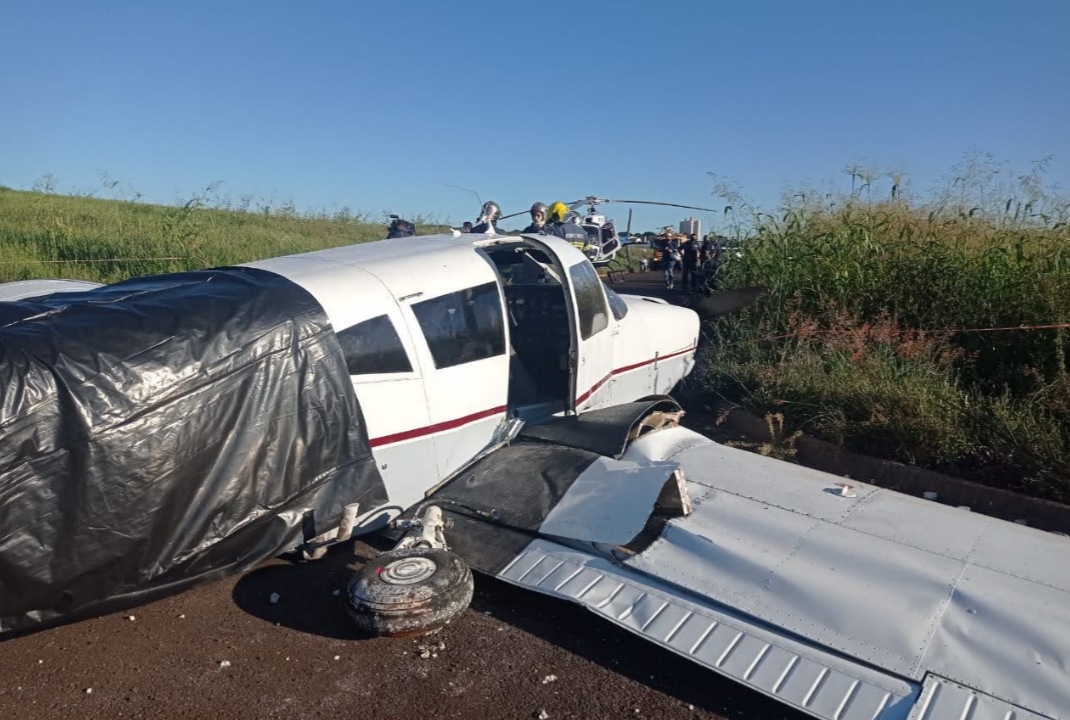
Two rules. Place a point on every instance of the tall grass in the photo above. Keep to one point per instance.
(43, 234)
(876, 330)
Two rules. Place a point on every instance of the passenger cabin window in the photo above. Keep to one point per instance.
(373, 347)
(463, 326)
(590, 302)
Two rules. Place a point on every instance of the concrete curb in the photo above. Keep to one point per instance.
(826, 456)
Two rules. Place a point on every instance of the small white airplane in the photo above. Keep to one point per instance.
(490, 401)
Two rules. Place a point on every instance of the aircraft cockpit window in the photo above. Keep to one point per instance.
(463, 326)
(616, 304)
(520, 265)
(590, 302)
(373, 347)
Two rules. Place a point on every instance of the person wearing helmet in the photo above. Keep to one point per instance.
(560, 223)
(538, 219)
(400, 228)
(488, 218)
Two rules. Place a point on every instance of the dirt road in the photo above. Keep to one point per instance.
(224, 650)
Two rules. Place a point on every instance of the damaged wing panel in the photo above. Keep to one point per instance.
(774, 578)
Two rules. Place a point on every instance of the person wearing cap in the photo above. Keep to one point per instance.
(466, 227)
(538, 219)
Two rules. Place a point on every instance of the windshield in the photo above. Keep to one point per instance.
(616, 303)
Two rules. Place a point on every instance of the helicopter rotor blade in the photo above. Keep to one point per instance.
(595, 200)
(667, 204)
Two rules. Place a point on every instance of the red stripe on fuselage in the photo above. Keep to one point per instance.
(453, 424)
(629, 368)
(437, 427)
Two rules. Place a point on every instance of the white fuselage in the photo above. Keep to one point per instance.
(448, 388)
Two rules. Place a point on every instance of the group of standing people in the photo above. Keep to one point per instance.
(698, 263)
(556, 219)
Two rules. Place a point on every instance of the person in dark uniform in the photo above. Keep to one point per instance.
(466, 227)
(488, 218)
(538, 219)
(689, 257)
(711, 262)
(560, 223)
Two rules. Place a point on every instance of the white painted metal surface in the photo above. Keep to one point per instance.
(595, 510)
(804, 676)
(654, 349)
(22, 289)
(900, 583)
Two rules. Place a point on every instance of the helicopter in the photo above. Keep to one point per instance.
(603, 242)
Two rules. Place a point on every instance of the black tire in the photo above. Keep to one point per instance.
(409, 592)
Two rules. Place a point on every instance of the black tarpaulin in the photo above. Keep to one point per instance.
(167, 430)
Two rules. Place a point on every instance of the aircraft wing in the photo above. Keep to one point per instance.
(878, 606)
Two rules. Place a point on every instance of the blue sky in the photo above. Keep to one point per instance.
(376, 105)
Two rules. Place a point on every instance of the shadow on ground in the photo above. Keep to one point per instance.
(577, 630)
(314, 592)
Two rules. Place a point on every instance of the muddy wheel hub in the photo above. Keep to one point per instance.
(408, 571)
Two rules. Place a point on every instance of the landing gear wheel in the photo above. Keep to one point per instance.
(654, 421)
(409, 592)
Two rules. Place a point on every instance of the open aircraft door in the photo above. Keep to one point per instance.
(593, 331)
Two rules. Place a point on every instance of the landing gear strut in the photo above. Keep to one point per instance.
(414, 589)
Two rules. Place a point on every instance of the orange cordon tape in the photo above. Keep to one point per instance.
(948, 331)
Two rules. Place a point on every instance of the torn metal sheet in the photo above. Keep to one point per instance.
(610, 502)
(534, 488)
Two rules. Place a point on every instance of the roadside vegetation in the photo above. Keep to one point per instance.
(47, 235)
(894, 327)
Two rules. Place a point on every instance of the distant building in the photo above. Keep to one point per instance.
(691, 226)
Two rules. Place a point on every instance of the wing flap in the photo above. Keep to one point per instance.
(809, 678)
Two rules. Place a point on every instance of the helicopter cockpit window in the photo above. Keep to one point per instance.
(464, 326)
(616, 304)
(373, 347)
(590, 302)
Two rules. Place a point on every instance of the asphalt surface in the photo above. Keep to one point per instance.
(226, 650)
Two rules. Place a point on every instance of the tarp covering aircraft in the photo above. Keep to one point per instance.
(164, 431)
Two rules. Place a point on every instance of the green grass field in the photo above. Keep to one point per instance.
(43, 235)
